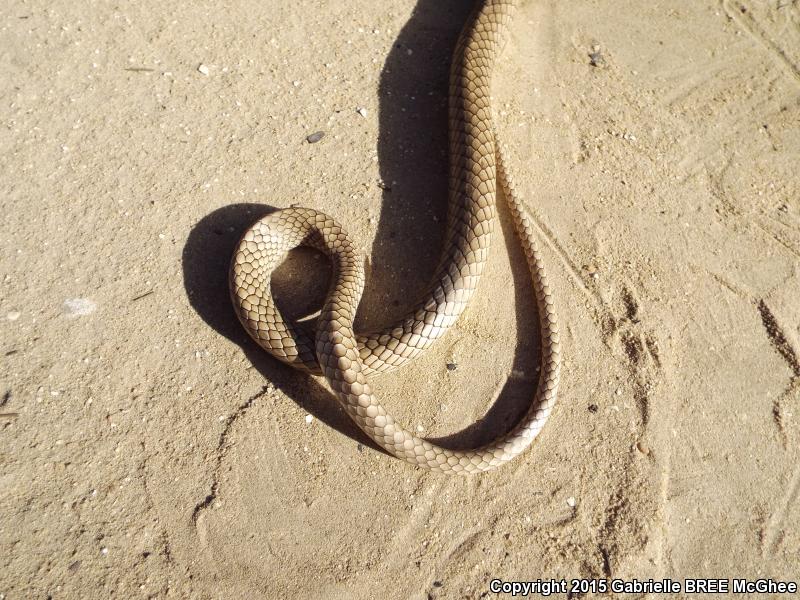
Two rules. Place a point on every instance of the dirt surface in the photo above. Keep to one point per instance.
(150, 450)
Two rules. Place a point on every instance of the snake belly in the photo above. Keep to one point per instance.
(478, 162)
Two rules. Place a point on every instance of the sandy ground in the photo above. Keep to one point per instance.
(150, 450)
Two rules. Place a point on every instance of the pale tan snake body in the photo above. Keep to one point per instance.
(345, 359)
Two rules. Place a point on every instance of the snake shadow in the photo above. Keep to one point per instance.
(412, 155)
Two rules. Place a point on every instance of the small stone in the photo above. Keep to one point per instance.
(203, 69)
(571, 502)
(296, 83)
(643, 448)
(593, 408)
(315, 137)
(309, 418)
(13, 315)
(362, 111)
(596, 59)
(78, 307)
(451, 366)
(619, 391)
(104, 551)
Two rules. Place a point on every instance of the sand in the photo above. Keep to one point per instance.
(149, 449)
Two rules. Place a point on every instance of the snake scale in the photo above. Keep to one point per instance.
(477, 165)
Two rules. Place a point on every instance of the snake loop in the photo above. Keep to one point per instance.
(477, 163)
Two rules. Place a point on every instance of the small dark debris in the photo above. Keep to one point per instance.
(437, 584)
(596, 59)
(451, 366)
(74, 566)
(140, 70)
(11, 352)
(315, 137)
(593, 408)
(140, 296)
(384, 186)
(359, 447)
(6, 396)
(145, 554)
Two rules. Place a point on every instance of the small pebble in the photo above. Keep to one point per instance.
(104, 551)
(618, 392)
(593, 408)
(643, 448)
(571, 502)
(78, 307)
(362, 111)
(596, 59)
(13, 315)
(451, 366)
(309, 418)
(203, 69)
(315, 137)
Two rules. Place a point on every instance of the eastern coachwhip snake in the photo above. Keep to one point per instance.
(477, 163)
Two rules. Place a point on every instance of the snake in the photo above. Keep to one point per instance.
(478, 165)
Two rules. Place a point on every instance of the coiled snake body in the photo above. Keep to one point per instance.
(346, 359)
